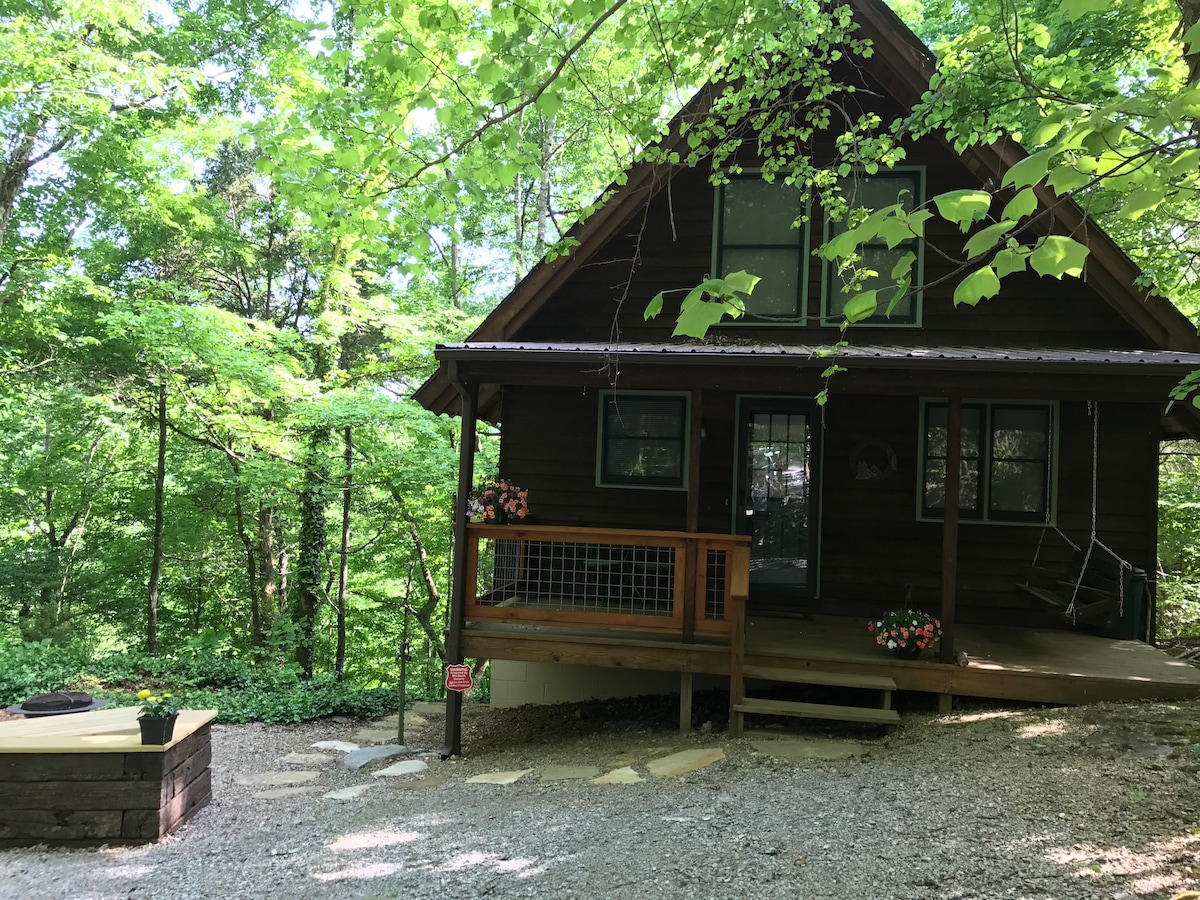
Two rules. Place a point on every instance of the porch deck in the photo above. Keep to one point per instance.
(1039, 665)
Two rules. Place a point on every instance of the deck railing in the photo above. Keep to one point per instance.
(619, 579)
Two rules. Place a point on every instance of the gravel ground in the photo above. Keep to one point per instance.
(991, 802)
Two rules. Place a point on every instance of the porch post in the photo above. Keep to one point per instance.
(458, 592)
(950, 524)
(691, 554)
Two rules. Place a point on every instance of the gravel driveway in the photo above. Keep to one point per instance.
(991, 802)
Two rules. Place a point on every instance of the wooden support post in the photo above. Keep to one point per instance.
(458, 594)
(690, 560)
(685, 702)
(945, 704)
(738, 574)
(950, 524)
(695, 439)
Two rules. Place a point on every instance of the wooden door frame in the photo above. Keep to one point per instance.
(807, 404)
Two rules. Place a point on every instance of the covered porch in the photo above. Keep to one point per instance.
(1021, 664)
(666, 594)
(676, 602)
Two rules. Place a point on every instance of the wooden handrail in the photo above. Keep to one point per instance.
(688, 591)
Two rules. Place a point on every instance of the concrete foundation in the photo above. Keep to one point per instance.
(519, 683)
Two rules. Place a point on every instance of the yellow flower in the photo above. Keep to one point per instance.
(143, 694)
(166, 695)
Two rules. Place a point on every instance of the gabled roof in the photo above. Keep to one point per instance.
(903, 65)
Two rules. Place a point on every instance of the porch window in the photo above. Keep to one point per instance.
(755, 231)
(903, 186)
(643, 440)
(1007, 464)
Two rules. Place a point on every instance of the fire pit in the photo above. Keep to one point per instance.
(56, 704)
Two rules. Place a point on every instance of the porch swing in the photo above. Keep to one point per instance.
(1094, 593)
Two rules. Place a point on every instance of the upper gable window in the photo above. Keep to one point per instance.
(643, 440)
(755, 231)
(886, 188)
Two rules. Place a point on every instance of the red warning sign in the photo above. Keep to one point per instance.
(458, 678)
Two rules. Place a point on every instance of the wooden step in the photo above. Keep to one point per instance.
(835, 679)
(818, 711)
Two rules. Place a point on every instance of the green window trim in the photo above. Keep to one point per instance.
(753, 230)
(878, 256)
(642, 439)
(1010, 462)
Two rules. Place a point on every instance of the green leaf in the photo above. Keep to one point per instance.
(987, 238)
(1021, 205)
(903, 266)
(699, 317)
(654, 307)
(1010, 260)
(1076, 8)
(1141, 201)
(861, 306)
(1058, 255)
(977, 286)
(1030, 170)
(740, 281)
(1067, 178)
(963, 207)
(1191, 39)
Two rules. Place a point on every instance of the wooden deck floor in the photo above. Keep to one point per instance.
(1004, 663)
(1038, 665)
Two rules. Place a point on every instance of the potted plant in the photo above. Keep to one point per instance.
(157, 718)
(497, 501)
(906, 632)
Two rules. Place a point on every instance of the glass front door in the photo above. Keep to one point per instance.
(777, 498)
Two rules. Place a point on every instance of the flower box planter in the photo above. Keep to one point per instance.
(86, 780)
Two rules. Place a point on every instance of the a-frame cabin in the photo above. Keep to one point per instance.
(695, 511)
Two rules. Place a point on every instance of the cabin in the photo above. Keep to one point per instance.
(698, 517)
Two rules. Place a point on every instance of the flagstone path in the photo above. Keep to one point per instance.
(375, 743)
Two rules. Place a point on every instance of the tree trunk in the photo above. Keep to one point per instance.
(156, 546)
(543, 219)
(433, 598)
(339, 663)
(310, 564)
(267, 574)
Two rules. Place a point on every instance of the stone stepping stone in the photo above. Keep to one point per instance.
(803, 748)
(624, 775)
(499, 777)
(421, 784)
(411, 720)
(404, 767)
(340, 746)
(356, 759)
(684, 761)
(348, 793)
(276, 779)
(569, 773)
(425, 707)
(282, 793)
(307, 759)
(375, 735)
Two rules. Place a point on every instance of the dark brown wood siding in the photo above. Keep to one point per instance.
(670, 248)
(871, 542)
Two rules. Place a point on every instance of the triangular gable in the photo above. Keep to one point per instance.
(903, 65)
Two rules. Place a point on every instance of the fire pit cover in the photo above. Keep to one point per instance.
(56, 704)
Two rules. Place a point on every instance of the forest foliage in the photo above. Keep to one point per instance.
(231, 233)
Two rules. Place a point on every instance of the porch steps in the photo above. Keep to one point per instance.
(832, 679)
(819, 711)
(761, 706)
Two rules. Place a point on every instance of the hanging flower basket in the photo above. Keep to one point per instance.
(497, 502)
(906, 632)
